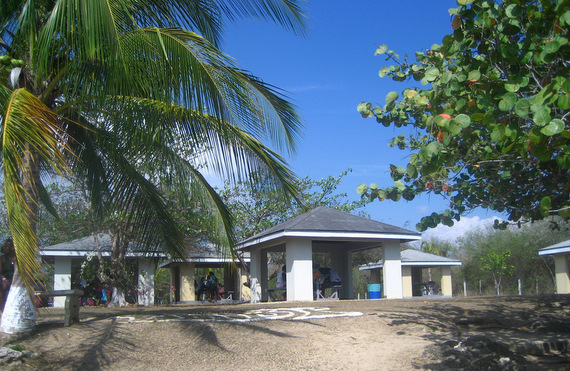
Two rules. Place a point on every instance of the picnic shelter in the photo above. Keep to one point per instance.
(561, 252)
(414, 262)
(330, 231)
(182, 272)
(64, 255)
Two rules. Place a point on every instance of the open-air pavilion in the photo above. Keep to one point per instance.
(561, 252)
(329, 231)
(413, 264)
(183, 272)
(64, 254)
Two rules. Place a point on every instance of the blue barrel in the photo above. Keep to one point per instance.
(374, 291)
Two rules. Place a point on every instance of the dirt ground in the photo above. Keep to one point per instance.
(338, 335)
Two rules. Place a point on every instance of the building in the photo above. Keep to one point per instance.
(330, 231)
(413, 264)
(64, 255)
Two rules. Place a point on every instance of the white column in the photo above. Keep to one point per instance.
(446, 286)
(61, 279)
(146, 282)
(562, 273)
(392, 270)
(299, 261)
(255, 273)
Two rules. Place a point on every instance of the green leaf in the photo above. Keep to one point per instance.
(464, 2)
(513, 11)
(498, 133)
(362, 189)
(542, 116)
(381, 49)
(364, 108)
(463, 120)
(412, 171)
(507, 101)
(512, 86)
(564, 101)
(399, 185)
(431, 73)
(477, 116)
(555, 126)
(392, 96)
(383, 71)
(414, 158)
(474, 75)
(551, 47)
(422, 101)
(460, 104)
(545, 205)
(566, 17)
(522, 107)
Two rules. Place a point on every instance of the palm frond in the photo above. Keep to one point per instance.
(30, 134)
(287, 13)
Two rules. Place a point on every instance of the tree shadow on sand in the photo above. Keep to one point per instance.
(505, 333)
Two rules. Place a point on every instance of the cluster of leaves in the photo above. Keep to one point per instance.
(490, 125)
(259, 205)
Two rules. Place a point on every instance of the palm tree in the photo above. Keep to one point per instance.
(100, 89)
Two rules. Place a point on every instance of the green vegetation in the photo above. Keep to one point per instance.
(487, 110)
(494, 260)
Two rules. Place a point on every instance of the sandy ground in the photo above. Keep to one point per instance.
(325, 335)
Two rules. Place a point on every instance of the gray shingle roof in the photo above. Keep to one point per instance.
(84, 246)
(324, 219)
(416, 258)
(559, 248)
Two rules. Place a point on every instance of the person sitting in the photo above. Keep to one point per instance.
(282, 278)
(328, 278)
(201, 289)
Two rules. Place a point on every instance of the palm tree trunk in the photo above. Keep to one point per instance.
(19, 314)
(118, 298)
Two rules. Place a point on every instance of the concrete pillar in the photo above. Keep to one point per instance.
(562, 273)
(255, 273)
(263, 276)
(187, 287)
(299, 262)
(61, 279)
(173, 272)
(392, 270)
(446, 286)
(407, 286)
(146, 281)
(244, 291)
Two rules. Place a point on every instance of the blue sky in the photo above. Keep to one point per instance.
(329, 72)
